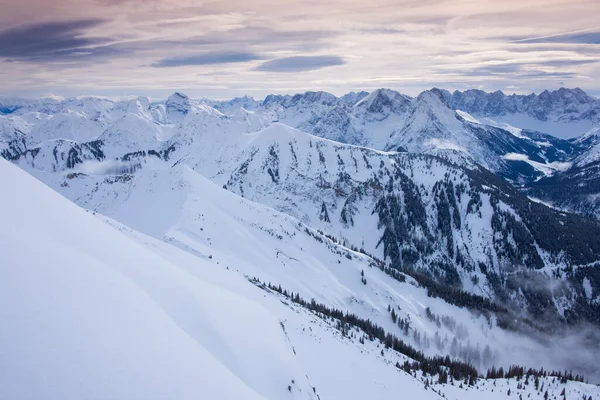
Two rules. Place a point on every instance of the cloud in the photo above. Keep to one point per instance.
(568, 63)
(115, 46)
(548, 74)
(300, 63)
(52, 41)
(534, 70)
(381, 30)
(266, 38)
(574, 38)
(208, 59)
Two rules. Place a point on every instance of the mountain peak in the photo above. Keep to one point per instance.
(435, 96)
(354, 97)
(310, 97)
(178, 98)
(178, 105)
(563, 112)
(383, 102)
(179, 95)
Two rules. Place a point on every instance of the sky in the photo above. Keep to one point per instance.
(223, 49)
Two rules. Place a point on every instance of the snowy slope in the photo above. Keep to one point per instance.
(133, 132)
(186, 210)
(70, 125)
(150, 320)
(87, 315)
(578, 188)
(590, 142)
(107, 315)
(59, 154)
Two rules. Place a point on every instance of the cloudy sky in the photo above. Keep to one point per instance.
(222, 49)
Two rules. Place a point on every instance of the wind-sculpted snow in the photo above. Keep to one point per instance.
(98, 315)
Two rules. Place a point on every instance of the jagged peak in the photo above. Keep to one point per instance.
(354, 97)
(178, 95)
(275, 98)
(435, 96)
(319, 97)
(561, 92)
(379, 99)
(178, 98)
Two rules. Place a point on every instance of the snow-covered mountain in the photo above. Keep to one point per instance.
(463, 225)
(577, 189)
(388, 120)
(115, 313)
(516, 155)
(590, 145)
(383, 119)
(564, 112)
(207, 208)
(510, 135)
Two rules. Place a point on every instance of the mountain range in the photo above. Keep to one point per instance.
(471, 215)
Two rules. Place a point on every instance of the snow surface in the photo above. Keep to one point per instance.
(503, 125)
(117, 314)
(196, 215)
(547, 168)
(467, 117)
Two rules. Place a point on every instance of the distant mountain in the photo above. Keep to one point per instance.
(578, 188)
(575, 190)
(388, 120)
(507, 134)
(512, 135)
(517, 155)
(566, 113)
